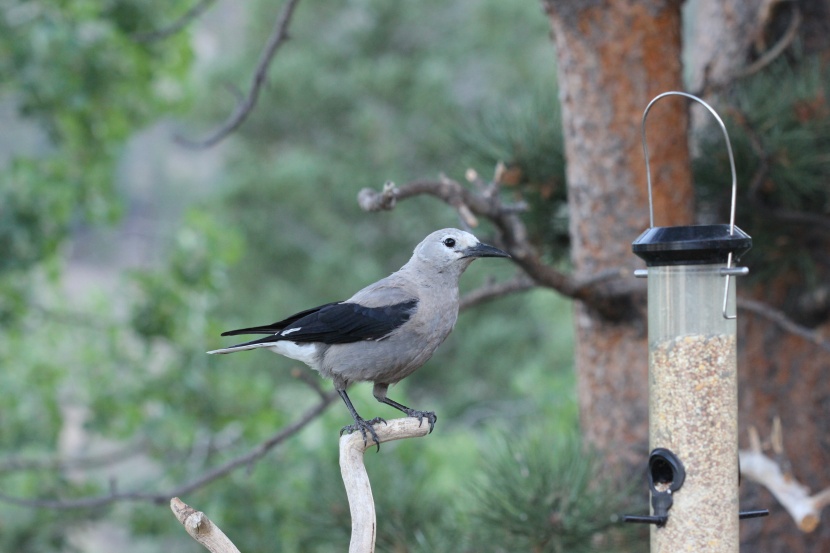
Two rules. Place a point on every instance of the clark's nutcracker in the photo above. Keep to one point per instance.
(384, 332)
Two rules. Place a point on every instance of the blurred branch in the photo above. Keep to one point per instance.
(171, 29)
(201, 529)
(83, 463)
(487, 203)
(312, 381)
(805, 509)
(785, 323)
(356, 479)
(198, 482)
(492, 290)
(778, 48)
(278, 36)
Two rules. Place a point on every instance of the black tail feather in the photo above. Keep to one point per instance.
(273, 328)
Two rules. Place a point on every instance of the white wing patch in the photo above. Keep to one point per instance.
(288, 331)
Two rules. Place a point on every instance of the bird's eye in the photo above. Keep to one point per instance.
(449, 242)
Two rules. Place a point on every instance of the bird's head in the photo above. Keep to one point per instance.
(451, 247)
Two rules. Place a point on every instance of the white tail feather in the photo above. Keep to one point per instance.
(239, 348)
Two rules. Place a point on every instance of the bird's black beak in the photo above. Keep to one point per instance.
(484, 250)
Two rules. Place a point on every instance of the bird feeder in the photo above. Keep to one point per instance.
(693, 388)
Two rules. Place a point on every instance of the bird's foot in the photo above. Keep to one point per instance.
(364, 426)
(430, 416)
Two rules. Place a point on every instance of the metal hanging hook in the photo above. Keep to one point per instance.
(728, 271)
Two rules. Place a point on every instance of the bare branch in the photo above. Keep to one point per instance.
(609, 293)
(805, 509)
(13, 464)
(487, 204)
(773, 315)
(171, 29)
(777, 49)
(356, 479)
(201, 529)
(159, 497)
(278, 36)
(520, 283)
(312, 381)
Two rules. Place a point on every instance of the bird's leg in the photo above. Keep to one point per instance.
(379, 392)
(359, 422)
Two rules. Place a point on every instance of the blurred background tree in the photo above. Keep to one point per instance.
(123, 255)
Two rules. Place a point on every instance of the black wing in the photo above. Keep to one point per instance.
(341, 323)
(273, 328)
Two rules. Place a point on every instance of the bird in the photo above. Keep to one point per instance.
(385, 331)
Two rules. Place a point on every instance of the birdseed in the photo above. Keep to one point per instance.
(693, 412)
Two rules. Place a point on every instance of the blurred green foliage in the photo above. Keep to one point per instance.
(74, 71)
(364, 92)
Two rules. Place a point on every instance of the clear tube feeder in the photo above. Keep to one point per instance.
(693, 385)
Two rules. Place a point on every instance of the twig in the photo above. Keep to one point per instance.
(519, 283)
(773, 315)
(83, 463)
(201, 529)
(200, 481)
(513, 231)
(770, 55)
(356, 480)
(171, 29)
(278, 36)
(304, 376)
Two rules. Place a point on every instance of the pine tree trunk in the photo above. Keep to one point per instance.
(614, 57)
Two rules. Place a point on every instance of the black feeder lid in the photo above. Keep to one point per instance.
(691, 245)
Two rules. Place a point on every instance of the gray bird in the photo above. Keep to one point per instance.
(385, 331)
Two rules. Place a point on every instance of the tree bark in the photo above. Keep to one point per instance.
(780, 375)
(613, 58)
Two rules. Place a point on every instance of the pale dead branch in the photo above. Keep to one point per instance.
(805, 509)
(201, 529)
(356, 479)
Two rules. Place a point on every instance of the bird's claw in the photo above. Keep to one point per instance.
(430, 416)
(364, 426)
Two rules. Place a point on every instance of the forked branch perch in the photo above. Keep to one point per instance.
(356, 479)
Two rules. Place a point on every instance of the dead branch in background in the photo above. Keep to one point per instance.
(171, 29)
(21, 464)
(783, 322)
(278, 36)
(775, 476)
(201, 529)
(200, 481)
(486, 202)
